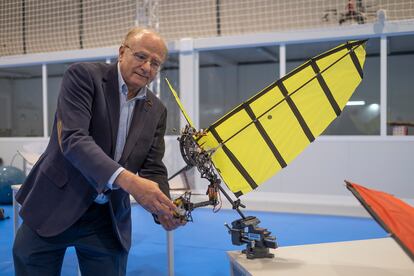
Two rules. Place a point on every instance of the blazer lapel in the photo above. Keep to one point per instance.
(140, 116)
(111, 89)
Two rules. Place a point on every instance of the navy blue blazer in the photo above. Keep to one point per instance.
(78, 160)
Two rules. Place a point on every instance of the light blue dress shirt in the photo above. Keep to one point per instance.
(125, 117)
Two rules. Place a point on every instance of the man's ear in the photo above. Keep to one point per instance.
(121, 52)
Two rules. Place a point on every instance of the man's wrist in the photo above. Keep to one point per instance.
(123, 180)
(111, 182)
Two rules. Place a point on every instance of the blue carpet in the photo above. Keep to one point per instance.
(200, 246)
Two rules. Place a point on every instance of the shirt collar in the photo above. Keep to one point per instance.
(123, 89)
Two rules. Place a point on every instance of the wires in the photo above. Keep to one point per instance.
(219, 203)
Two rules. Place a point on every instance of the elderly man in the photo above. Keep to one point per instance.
(107, 143)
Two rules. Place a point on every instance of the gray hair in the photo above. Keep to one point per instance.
(137, 31)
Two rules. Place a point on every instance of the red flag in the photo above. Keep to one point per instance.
(393, 214)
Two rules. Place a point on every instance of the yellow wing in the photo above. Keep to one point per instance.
(180, 105)
(262, 135)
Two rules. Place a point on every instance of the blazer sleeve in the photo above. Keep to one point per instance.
(74, 113)
(153, 168)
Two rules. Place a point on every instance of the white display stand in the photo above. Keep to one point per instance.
(375, 257)
(16, 209)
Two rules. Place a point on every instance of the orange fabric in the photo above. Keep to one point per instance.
(390, 211)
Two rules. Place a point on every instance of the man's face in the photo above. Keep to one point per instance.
(140, 60)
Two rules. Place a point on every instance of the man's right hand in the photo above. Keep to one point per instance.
(146, 193)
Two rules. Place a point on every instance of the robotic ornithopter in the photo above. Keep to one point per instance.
(258, 239)
(282, 120)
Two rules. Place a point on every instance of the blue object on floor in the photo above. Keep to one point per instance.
(9, 176)
(200, 247)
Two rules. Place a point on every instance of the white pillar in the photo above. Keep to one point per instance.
(282, 60)
(44, 98)
(383, 86)
(170, 252)
(189, 90)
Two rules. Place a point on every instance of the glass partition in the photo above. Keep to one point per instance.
(170, 71)
(361, 116)
(229, 77)
(400, 90)
(21, 107)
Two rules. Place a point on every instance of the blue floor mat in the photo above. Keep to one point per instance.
(200, 247)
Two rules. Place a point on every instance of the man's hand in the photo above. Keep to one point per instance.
(147, 194)
(170, 223)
